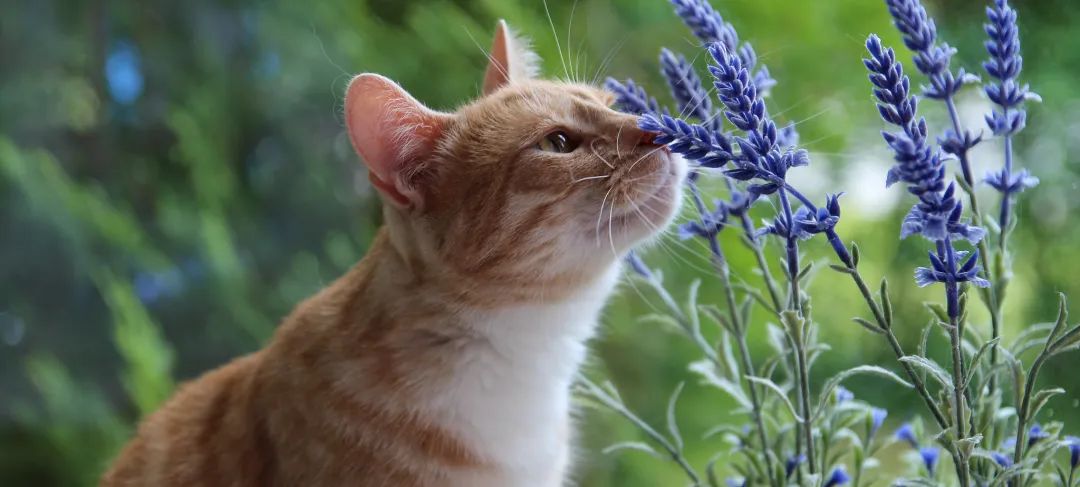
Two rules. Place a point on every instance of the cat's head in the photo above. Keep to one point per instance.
(536, 181)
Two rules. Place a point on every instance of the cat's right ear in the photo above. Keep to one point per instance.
(510, 59)
(394, 134)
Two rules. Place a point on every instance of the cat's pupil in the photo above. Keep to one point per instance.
(557, 141)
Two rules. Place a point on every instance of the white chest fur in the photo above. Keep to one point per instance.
(510, 398)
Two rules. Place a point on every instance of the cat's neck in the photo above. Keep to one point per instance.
(498, 375)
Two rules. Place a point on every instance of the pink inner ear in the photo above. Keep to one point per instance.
(498, 70)
(392, 132)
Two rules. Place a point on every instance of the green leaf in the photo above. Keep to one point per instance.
(1063, 315)
(931, 367)
(663, 320)
(632, 445)
(1068, 342)
(672, 425)
(836, 380)
(868, 325)
(1041, 398)
(708, 371)
(938, 311)
(770, 385)
(974, 364)
(793, 324)
(729, 355)
(841, 269)
(855, 254)
(712, 311)
(886, 303)
(924, 339)
(691, 306)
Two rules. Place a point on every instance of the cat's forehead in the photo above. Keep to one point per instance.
(542, 97)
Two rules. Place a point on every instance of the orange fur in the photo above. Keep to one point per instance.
(351, 387)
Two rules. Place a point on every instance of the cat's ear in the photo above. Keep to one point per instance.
(394, 134)
(510, 59)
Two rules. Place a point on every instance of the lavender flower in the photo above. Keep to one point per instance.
(907, 433)
(937, 216)
(1036, 434)
(1004, 461)
(822, 220)
(735, 482)
(930, 458)
(691, 97)
(844, 395)
(708, 226)
(839, 476)
(760, 157)
(710, 27)
(1004, 65)
(638, 265)
(940, 270)
(932, 59)
(631, 98)
(709, 148)
(877, 418)
(792, 463)
(1074, 451)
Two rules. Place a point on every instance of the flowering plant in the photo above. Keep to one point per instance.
(983, 405)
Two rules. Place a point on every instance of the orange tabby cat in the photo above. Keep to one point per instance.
(445, 357)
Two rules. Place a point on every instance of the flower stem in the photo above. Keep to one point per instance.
(723, 270)
(795, 304)
(894, 343)
(992, 304)
(763, 265)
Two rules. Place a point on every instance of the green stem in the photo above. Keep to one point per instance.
(898, 350)
(993, 306)
(1025, 404)
(962, 468)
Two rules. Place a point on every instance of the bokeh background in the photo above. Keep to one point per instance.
(174, 177)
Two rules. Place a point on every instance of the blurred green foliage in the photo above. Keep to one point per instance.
(174, 177)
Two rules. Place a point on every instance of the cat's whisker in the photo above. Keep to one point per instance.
(811, 117)
(647, 154)
(592, 147)
(611, 225)
(607, 59)
(618, 150)
(490, 58)
(589, 178)
(569, 44)
(600, 217)
(554, 33)
(666, 245)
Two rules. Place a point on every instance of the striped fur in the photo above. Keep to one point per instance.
(444, 358)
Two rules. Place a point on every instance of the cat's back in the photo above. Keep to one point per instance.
(208, 433)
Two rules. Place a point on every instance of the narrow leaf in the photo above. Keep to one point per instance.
(836, 380)
(868, 325)
(672, 425)
(931, 367)
(770, 385)
(631, 445)
(974, 365)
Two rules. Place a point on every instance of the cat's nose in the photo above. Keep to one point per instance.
(648, 138)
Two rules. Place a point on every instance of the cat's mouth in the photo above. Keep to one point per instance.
(651, 204)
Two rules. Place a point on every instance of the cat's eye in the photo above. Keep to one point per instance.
(558, 142)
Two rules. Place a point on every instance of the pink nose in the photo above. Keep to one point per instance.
(648, 138)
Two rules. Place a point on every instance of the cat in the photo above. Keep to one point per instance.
(445, 357)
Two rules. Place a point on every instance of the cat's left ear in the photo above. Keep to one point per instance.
(395, 135)
(510, 59)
